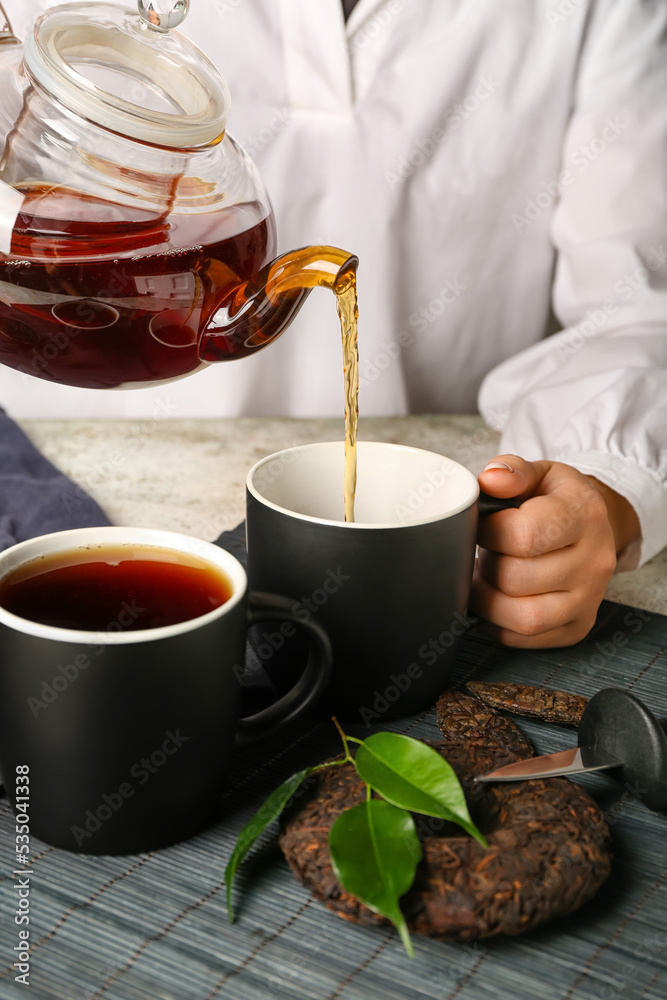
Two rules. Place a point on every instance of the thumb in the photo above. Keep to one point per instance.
(511, 476)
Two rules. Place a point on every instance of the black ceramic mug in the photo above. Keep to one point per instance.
(391, 588)
(125, 732)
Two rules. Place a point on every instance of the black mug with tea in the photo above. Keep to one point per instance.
(390, 588)
(120, 656)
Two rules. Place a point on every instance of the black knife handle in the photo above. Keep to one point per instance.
(617, 722)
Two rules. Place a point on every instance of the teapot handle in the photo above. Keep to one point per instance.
(7, 36)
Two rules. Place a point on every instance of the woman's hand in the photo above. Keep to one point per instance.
(543, 569)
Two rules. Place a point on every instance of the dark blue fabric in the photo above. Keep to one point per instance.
(234, 542)
(35, 497)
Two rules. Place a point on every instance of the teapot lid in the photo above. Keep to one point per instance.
(129, 73)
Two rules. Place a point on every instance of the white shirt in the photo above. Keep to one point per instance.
(488, 162)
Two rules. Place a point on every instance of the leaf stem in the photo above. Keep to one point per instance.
(347, 759)
(329, 763)
(348, 756)
(402, 928)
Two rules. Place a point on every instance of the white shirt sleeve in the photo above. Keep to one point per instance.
(595, 394)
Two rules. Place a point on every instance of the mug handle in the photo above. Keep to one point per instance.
(487, 505)
(308, 688)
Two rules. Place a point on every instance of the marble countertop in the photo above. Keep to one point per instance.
(188, 475)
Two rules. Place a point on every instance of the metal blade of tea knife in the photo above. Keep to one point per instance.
(578, 760)
(617, 731)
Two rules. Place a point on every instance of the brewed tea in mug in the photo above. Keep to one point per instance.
(91, 589)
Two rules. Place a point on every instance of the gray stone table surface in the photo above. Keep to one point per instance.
(188, 475)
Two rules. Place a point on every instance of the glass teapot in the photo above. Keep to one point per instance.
(136, 236)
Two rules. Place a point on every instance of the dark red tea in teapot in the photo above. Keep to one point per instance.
(94, 300)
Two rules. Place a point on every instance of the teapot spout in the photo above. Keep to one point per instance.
(254, 314)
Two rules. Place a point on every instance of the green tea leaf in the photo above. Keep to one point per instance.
(414, 776)
(268, 811)
(374, 852)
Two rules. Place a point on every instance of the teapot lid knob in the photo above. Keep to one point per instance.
(162, 15)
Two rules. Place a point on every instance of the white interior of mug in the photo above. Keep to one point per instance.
(396, 485)
(87, 539)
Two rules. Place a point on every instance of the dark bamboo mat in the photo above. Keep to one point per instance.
(154, 927)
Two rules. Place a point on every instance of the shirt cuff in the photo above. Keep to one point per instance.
(642, 488)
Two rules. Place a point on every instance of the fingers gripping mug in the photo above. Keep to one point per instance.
(391, 588)
(121, 651)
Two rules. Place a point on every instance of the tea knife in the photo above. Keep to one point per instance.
(617, 732)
